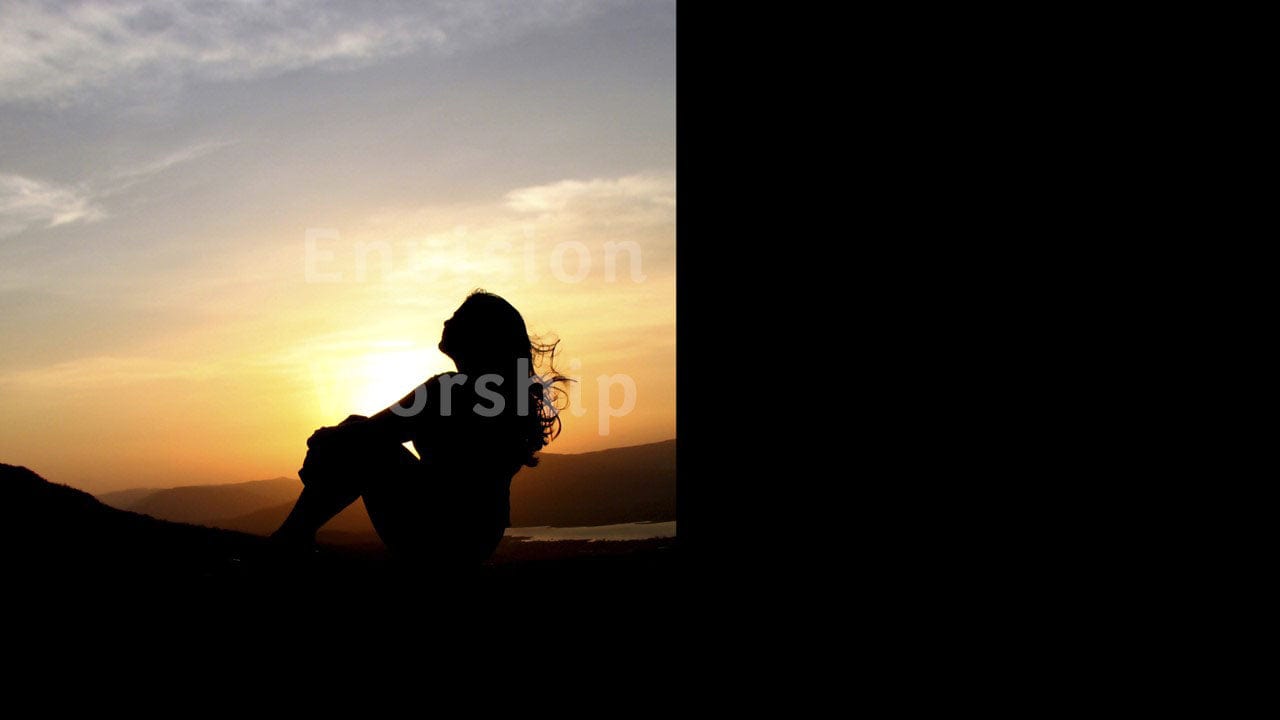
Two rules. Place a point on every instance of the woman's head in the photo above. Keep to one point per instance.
(487, 335)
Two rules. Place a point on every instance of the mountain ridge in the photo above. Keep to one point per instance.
(628, 484)
(117, 498)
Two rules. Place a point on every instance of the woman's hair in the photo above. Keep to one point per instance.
(492, 336)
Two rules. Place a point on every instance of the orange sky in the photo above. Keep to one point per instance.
(165, 318)
(234, 396)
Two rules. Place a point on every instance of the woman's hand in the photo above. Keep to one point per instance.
(326, 435)
(320, 437)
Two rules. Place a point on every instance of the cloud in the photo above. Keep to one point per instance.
(517, 239)
(177, 157)
(58, 51)
(25, 202)
(108, 371)
(654, 191)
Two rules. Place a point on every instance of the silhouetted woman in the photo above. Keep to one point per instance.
(474, 429)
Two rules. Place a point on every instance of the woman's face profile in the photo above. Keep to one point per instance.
(450, 333)
(485, 328)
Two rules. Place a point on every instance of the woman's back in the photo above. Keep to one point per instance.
(455, 501)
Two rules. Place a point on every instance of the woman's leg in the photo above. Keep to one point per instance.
(334, 476)
(423, 525)
(314, 508)
(397, 499)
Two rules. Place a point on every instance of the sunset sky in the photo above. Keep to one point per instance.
(187, 193)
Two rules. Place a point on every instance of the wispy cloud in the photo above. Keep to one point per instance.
(25, 202)
(186, 154)
(55, 50)
(104, 371)
(511, 241)
(646, 190)
(31, 203)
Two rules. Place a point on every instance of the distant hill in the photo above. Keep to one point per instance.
(352, 524)
(125, 499)
(205, 504)
(629, 484)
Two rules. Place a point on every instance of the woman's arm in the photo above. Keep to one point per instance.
(398, 422)
(406, 418)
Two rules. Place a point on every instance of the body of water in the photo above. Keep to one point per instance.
(622, 531)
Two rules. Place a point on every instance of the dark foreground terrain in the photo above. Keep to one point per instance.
(620, 485)
(58, 538)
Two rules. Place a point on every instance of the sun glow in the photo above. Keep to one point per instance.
(187, 302)
(366, 383)
(382, 378)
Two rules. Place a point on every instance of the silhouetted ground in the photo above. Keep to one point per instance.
(620, 485)
(57, 536)
(78, 574)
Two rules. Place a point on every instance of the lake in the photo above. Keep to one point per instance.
(622, 531)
